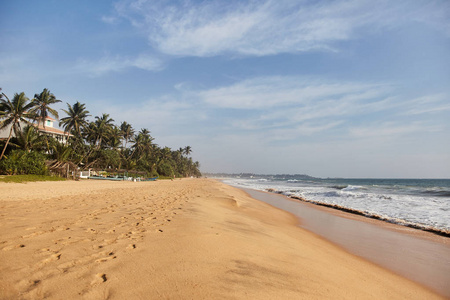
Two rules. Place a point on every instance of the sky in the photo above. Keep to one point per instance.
(343, 88)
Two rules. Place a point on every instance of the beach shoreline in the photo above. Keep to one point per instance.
(437, 236)
(190, 238)
(425, 259)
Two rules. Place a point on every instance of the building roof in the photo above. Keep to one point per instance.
(53, 130)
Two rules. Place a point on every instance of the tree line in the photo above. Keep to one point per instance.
(97, 143)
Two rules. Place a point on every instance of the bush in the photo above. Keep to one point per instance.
(165, 169)
(21, 162)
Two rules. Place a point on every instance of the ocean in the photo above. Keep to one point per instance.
(418, 203)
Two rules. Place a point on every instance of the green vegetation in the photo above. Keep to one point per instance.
(29, 178)
(22, 162)
(91, 144)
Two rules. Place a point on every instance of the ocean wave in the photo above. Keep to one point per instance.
(418, 204)
(339, 187)
(351, 188)
(393, 220)
(437, 193)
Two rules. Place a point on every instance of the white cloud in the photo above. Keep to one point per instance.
(109, 19)
(288, 108)
(292, 133)
(277, 91)
(208, 28)
(296, 105)
(428, 104)
(392, 130)
(118, 63)
(164, 116)
(335, 125)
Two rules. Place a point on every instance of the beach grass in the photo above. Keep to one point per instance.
(28, 178)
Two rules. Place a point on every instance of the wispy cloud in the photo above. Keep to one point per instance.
(299, 104)
(208, 28)
(288, 107)
(109, 19)
(305, 129)
(392, 130)
(165, 116)
(428, 104)
(118, 63)
(279, 91)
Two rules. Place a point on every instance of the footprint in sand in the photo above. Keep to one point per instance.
(131, 247)
(27, 285)
(7, 248)
(99, 278)
(53, 257)
(109, 257)
(91, 230)
(34, 234)
(66, 266)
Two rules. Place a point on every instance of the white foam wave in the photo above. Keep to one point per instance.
(352, 188)
(425, 211)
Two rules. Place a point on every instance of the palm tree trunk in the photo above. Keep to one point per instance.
(7, 142)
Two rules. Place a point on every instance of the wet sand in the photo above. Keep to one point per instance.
(181, 239)
(417, 255)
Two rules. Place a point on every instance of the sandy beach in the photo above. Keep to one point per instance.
(181, 239)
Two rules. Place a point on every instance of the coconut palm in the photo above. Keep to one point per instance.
(166, 153)
(29, 138)
(187, 150)
(127, 132)
(102, 129)
(61, 152)
(147, 140)
(12, 113)
(115, 136)
(42, 109)
(142, 142)
(76, 118)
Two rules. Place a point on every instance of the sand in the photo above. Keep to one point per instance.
(421, 256)
(181, 239)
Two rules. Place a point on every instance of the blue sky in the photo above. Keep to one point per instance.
(355, 88)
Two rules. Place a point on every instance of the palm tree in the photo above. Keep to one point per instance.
(142, 142)
(103, 126)
(165, 153)
(41, 103)
(13, 112)
(61, 152)
(115, 136)
(88, 133)
(29, 138)
(127, 132)
(147, 141)
(76, 118)
(137, 145)
(187, 150)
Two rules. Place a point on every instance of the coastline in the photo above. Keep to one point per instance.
(191, 238)
(418, 255)
(433, 230)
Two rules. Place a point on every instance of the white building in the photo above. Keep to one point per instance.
(49, 130)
